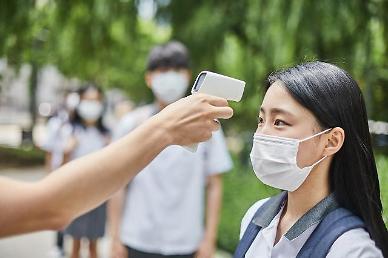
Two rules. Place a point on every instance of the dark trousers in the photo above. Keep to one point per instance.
(133, 253)
(60, 240)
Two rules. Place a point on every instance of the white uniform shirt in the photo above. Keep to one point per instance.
(89, 139)
(354, 243)
(58, 130)
(164, 205)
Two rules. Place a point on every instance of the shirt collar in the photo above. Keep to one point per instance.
(313, 216)
(264, 218)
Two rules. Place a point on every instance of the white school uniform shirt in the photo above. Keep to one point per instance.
(58, 131)
(353, 243)
(89, 139)
(164, 206)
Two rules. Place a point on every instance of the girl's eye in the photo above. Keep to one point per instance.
(260, 120)
(279, 122)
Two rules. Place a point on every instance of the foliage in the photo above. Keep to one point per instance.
(15, 157)
(107, 42)
(251, 38)
(99, 41)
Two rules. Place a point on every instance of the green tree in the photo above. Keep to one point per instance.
(99, 41)
(251, 38)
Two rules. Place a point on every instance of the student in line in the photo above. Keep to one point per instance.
(56, 133)
(88, 134)
(182, 189)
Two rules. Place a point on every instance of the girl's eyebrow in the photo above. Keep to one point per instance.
(275, 111)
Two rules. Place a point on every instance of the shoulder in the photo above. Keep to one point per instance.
(216, 154)
(354, 243)
(249, 215)
(137, 114)
(53, 123)
(131, 120)
(217, 141)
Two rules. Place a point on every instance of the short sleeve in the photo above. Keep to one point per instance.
(126, 125)
(133, 119)
(354, 243)
(52, 132)
(217, 159)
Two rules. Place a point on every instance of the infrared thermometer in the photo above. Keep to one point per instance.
(217, 85)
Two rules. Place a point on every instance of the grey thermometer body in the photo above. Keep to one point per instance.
(217, 85)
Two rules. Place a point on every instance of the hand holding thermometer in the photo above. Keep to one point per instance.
(217, 85)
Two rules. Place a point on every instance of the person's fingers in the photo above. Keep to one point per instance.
(214, 101)
(222, 112)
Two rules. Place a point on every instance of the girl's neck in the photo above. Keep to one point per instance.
(90, 123)
(312, 191)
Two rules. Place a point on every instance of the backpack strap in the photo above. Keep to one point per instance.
(328, 231)
(268, 210)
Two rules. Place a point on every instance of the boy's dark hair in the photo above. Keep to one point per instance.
(172, 54)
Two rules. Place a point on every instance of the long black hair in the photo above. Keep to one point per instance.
(335, 99)
(77, 121)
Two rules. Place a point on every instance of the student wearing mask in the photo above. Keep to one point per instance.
(169, 195)
(57, 131)
(88, 134)
(313, 142)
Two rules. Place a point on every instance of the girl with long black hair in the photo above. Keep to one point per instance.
(88, 134)
(313, 142)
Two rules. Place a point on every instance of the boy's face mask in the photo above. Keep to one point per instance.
(274, 161)
(169, 86)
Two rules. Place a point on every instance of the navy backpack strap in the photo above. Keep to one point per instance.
(328, 231)
(247, 240)
(274, 203)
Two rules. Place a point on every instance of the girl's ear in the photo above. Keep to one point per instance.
(335, 139)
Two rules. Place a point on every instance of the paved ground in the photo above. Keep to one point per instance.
(39, 245)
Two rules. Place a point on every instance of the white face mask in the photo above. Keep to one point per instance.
(90, 110)
(169, 86)
(274, 161)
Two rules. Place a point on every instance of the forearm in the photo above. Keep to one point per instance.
(85, 183)
(213, 207)
(71, 190)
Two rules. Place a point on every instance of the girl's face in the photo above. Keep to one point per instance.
(90, 107)
(91, 94)
(281, 115)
